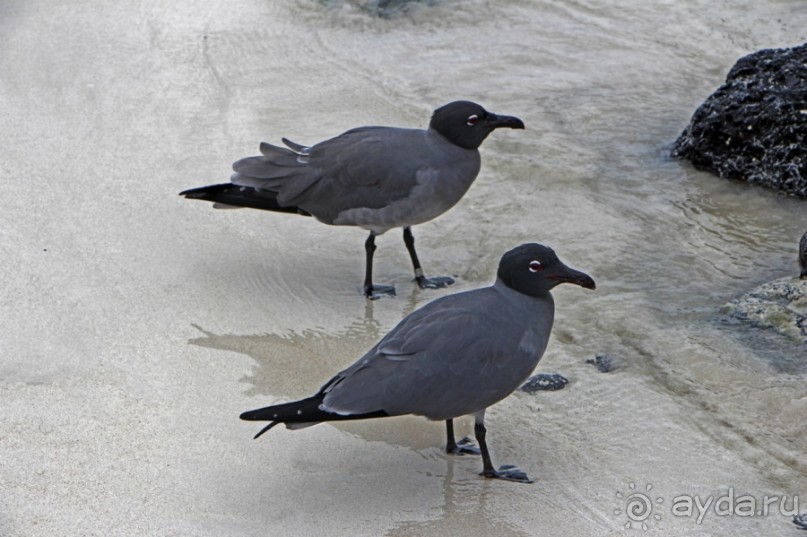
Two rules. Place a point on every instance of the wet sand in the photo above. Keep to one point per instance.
(138, 325)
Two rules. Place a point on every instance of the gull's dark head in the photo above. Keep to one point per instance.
(534, 269)
(467, 124)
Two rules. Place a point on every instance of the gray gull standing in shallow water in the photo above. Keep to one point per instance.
(376, 178)
(454, 356)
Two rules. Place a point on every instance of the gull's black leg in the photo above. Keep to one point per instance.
(507, 471)
(373, 291)
(425, 283)
(464, 447)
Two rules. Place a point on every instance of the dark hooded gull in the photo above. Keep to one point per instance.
(376, 178)
(453, 357)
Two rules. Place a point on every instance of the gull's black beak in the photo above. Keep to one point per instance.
(494, 121)
(569, 275)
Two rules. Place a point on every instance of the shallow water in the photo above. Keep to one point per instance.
(603, 91)
(141, 101)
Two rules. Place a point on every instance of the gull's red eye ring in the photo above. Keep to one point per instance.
(472, 120)
(535, 266)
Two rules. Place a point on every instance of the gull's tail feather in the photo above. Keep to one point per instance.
(302, 413)
(229, 195)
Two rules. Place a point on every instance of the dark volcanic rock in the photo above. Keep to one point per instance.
(544, 382)
(386, 9)
(754, 127)
(603, 362)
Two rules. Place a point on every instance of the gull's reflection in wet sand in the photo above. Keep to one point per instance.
(468, 501)
(297, 363)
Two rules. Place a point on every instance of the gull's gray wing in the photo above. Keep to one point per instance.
(347, 179)
(455, 356)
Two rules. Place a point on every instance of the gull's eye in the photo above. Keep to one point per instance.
(535, 266)
(472, 120)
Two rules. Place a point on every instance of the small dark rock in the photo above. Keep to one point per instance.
(800, 521)
(754, 127)
(803, 257)
(385, 9)
(604, 363)
(543, 382)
